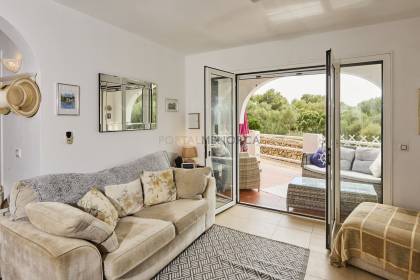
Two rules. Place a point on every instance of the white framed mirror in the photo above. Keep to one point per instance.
(126, 104)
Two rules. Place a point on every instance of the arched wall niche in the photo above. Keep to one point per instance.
(18, 135)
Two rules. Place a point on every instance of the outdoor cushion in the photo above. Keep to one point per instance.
(319, 158)
(314, 168)
(376, 167)
(182, 212)
(220, 149)
(346, 158)
(139, 239)
(345, 174)
(364, 158)
(361, 177)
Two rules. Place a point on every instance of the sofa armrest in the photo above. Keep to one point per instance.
(306, 159)
(28, 253)
(210, 195)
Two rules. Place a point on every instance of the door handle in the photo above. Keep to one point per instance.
(328, 156)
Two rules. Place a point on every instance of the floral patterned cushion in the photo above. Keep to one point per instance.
(98, 205)
(127, 198)
(158, 186)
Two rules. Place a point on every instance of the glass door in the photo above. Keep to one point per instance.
(220, 134)
(332, 150)
(360, 117)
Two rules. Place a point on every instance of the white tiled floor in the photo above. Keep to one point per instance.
(303, 232)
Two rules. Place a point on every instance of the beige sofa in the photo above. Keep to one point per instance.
(148, 241)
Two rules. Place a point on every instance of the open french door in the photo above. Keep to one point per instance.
(332, 147)
(220, 133)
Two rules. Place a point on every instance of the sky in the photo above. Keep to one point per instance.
(353, 89)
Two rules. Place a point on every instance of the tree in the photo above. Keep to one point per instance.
(137, 112)
(272, 97)
(272, 113)
(311, 122)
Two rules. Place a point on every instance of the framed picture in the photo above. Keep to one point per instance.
(68, 100)
(194, 121)
(171, 105)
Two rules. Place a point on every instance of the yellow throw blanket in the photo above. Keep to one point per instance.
(384, 236)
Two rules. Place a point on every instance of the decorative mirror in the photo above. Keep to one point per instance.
(126, 104)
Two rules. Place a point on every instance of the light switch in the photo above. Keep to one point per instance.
(69, 137)
(404, 147)
(18, 153)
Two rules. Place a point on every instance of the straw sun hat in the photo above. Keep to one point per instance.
(22, 97)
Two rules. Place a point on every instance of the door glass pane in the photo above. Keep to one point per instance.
(361, 136)
(222, 133)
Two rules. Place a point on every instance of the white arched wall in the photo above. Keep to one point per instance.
(247, 88)
(73, 48)
(18, 132)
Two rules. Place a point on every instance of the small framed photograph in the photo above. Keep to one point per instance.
(194, 121)
(68, 100)
(171, 105)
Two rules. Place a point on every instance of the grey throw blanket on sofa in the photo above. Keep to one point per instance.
(70, 187)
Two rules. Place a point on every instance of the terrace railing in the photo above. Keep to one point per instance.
(289, 148)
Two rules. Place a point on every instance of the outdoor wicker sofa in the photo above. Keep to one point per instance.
(249, 172)
(348, 173)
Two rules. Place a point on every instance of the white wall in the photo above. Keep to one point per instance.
(73, 48)
(18, 132)
(400, 38)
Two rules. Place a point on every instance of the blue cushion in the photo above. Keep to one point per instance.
(319, 158)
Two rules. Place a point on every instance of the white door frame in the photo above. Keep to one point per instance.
(208, 133)
(387, 145)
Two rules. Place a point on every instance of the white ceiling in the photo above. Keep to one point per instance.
(191, 26)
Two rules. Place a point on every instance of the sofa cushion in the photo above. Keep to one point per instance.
(126, 198)
(376, 166)
(364, 158)
(360, 177)
(346, 158)
(159, 186)
(219, 148)
(191, 183)
(319, 158)
(182, 212)
(20, 195)
(314, 168)
(98, 205)
(139, 239)
(347, 174)
(64, 220)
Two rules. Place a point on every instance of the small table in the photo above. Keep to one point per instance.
(309, 194)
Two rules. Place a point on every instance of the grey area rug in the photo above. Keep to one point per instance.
(224, 253)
